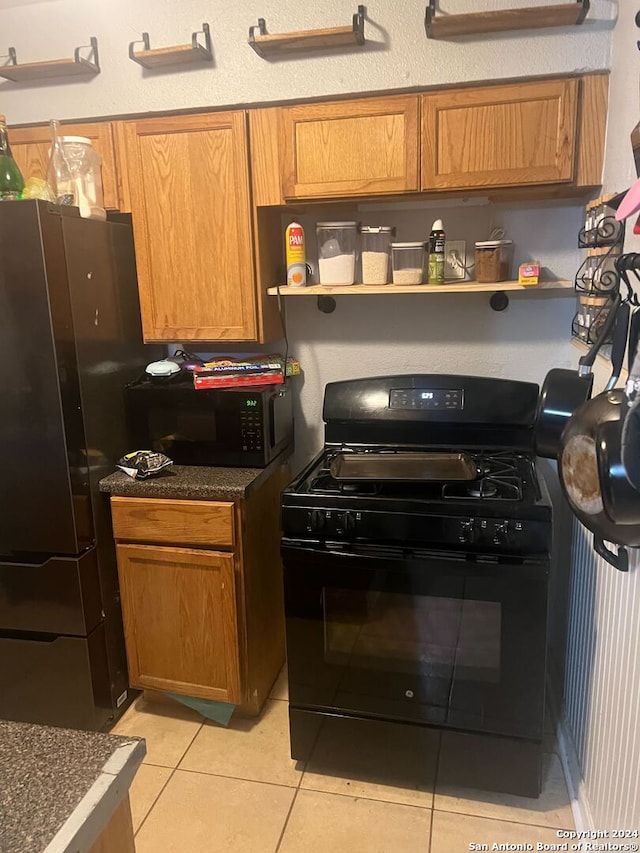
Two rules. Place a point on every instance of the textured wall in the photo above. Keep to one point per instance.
(398, 54)
(602, 696)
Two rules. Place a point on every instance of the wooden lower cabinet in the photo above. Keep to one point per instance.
(180, 620)
(205, 621)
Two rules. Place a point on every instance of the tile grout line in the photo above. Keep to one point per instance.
(351, 796)
(169, 778)
(237, 778)
(151, 808)
(502, 820)
(286, 820)
(433, 793)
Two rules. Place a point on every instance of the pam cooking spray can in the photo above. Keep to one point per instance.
(296, 257)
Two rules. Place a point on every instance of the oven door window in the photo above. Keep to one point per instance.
(438, 639)
(429, 636)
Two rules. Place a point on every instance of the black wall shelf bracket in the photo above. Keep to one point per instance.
(182, 54)
(77, 67)
(326, 304)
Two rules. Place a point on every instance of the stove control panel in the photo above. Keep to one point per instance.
(334, 523)
(436, 399)
(490, 531)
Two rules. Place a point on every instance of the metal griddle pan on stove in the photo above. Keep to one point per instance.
(403, 467)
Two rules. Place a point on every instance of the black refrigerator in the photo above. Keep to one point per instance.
(70, 340)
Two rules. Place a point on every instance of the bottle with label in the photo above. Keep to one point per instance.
(11, 180)
(296, 255)
(436, 253)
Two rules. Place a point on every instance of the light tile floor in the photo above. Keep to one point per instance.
(204, 788)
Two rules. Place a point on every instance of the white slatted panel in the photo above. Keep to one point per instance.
(602, 691)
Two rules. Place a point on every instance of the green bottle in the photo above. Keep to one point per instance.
(11, 180)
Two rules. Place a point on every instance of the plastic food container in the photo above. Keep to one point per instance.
(336, 252)
(408, 263)
(493, 260)
(375, 253)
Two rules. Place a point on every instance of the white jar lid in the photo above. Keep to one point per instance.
(493, 244)
(376, 229)
(336, 224)
(407, 245)
(82, 139)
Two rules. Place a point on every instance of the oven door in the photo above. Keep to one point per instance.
(418, 637)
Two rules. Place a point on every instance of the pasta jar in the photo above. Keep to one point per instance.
(375, 253)
(84, 165)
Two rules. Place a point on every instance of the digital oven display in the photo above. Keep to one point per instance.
(426, 398)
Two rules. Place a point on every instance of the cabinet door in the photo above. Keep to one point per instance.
(522, 133)
(180, 621)
(188, 182)
(351, 148)
(30, 147)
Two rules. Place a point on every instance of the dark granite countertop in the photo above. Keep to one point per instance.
(196, 482)
(46, 773)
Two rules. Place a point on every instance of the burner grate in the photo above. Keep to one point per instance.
(500, 480)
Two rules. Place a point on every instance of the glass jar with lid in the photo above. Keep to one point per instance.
(84, 166)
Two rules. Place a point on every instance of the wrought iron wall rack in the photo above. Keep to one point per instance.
(181, 54)
(531, 17)
(79, 66)
(267, 45)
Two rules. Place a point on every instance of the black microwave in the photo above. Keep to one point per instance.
(235, 427)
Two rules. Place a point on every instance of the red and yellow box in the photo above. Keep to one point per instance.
(529, 273)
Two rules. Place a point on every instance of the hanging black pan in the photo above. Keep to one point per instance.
(564, 391)
(618, 438)
(589, 463)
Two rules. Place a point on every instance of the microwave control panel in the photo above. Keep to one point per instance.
(251, 432)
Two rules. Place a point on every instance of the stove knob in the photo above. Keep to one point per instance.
(348, 522)
(467, 531)
(501, 533)
(317, 520)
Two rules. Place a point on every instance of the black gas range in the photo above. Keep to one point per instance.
(413, 598)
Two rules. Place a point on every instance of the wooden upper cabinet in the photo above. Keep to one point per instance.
(30, 147)
(523, 133)
(180, 620)
(188, 185)
(350, 148)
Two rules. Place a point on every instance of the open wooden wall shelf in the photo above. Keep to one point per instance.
(76, 67)
(181, 54)
(267, 45)
(528, 18)
(394, 289)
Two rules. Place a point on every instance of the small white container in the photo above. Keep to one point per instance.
(375, 253)
(408, 263)
(337, 252)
